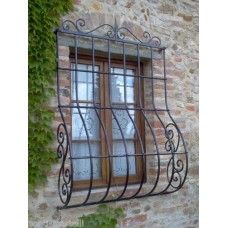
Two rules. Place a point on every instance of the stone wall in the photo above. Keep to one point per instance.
(176, 23)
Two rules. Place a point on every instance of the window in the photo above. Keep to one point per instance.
(110, 128)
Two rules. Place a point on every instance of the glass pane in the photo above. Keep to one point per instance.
(91, 122)
(81, 167)
(85, 83)
(117, 83)
(125, 123)
(120, 163)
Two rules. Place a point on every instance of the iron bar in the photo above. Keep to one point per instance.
(124, 155)
(148, 123)
(143, 161)
(99, 72)
(113, 107)
(117, 122)
(102, 125)
(84, 125)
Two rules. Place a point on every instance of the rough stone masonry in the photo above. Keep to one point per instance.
(176, 23)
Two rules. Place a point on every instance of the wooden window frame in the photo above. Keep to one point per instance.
(106, 118)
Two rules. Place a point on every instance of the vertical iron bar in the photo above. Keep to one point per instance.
(178, 130)
(135, 126)
(83, 122)
(153, 103)
(151, 128)
(153, 95)
(172, 152)
(146, 119)
(102, 125)
(114, 115)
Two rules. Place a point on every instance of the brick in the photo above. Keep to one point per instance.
(157, 124)
(43, 206)
(97, 6)
(77, 2)
(64, 51)
(134, 220)
(187, 18)
(178, 59)
(191, 108)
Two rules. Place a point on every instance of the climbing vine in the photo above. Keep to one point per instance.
(104, 217)
(44, 16)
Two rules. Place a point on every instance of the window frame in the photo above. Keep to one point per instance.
(106, 118)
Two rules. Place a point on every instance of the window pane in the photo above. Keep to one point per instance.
(117, 83)
(125, 123)
(120, 163)
(85, 83)
(81, 167)
(91, 122)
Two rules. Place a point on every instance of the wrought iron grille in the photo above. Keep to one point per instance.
(153, 159)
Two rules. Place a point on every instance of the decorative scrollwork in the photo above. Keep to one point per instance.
(121, 34)
(80, 23)
(154, 41)
(113, 32)
(68, 25)
(79, 26)
(171, 145)
(65, 172)
(177, 166)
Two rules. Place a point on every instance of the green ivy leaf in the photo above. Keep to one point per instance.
(44, 16)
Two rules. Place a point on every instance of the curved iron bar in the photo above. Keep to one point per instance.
(167, 134)
(153, 104)
(104, 130)
(84, 125)
(143, 158)
(151, 129)
(118, 124)
(159, 118)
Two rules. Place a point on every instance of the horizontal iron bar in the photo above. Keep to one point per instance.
(126, 155)
(160, 48)
(98, 140)
(113, 107)
(109, 201)
(99, 72)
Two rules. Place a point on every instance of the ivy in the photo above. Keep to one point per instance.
(44, 16)
(104, 217)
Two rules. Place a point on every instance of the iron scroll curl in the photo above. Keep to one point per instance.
(177, 175)
(111, 32)
(65, 179)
